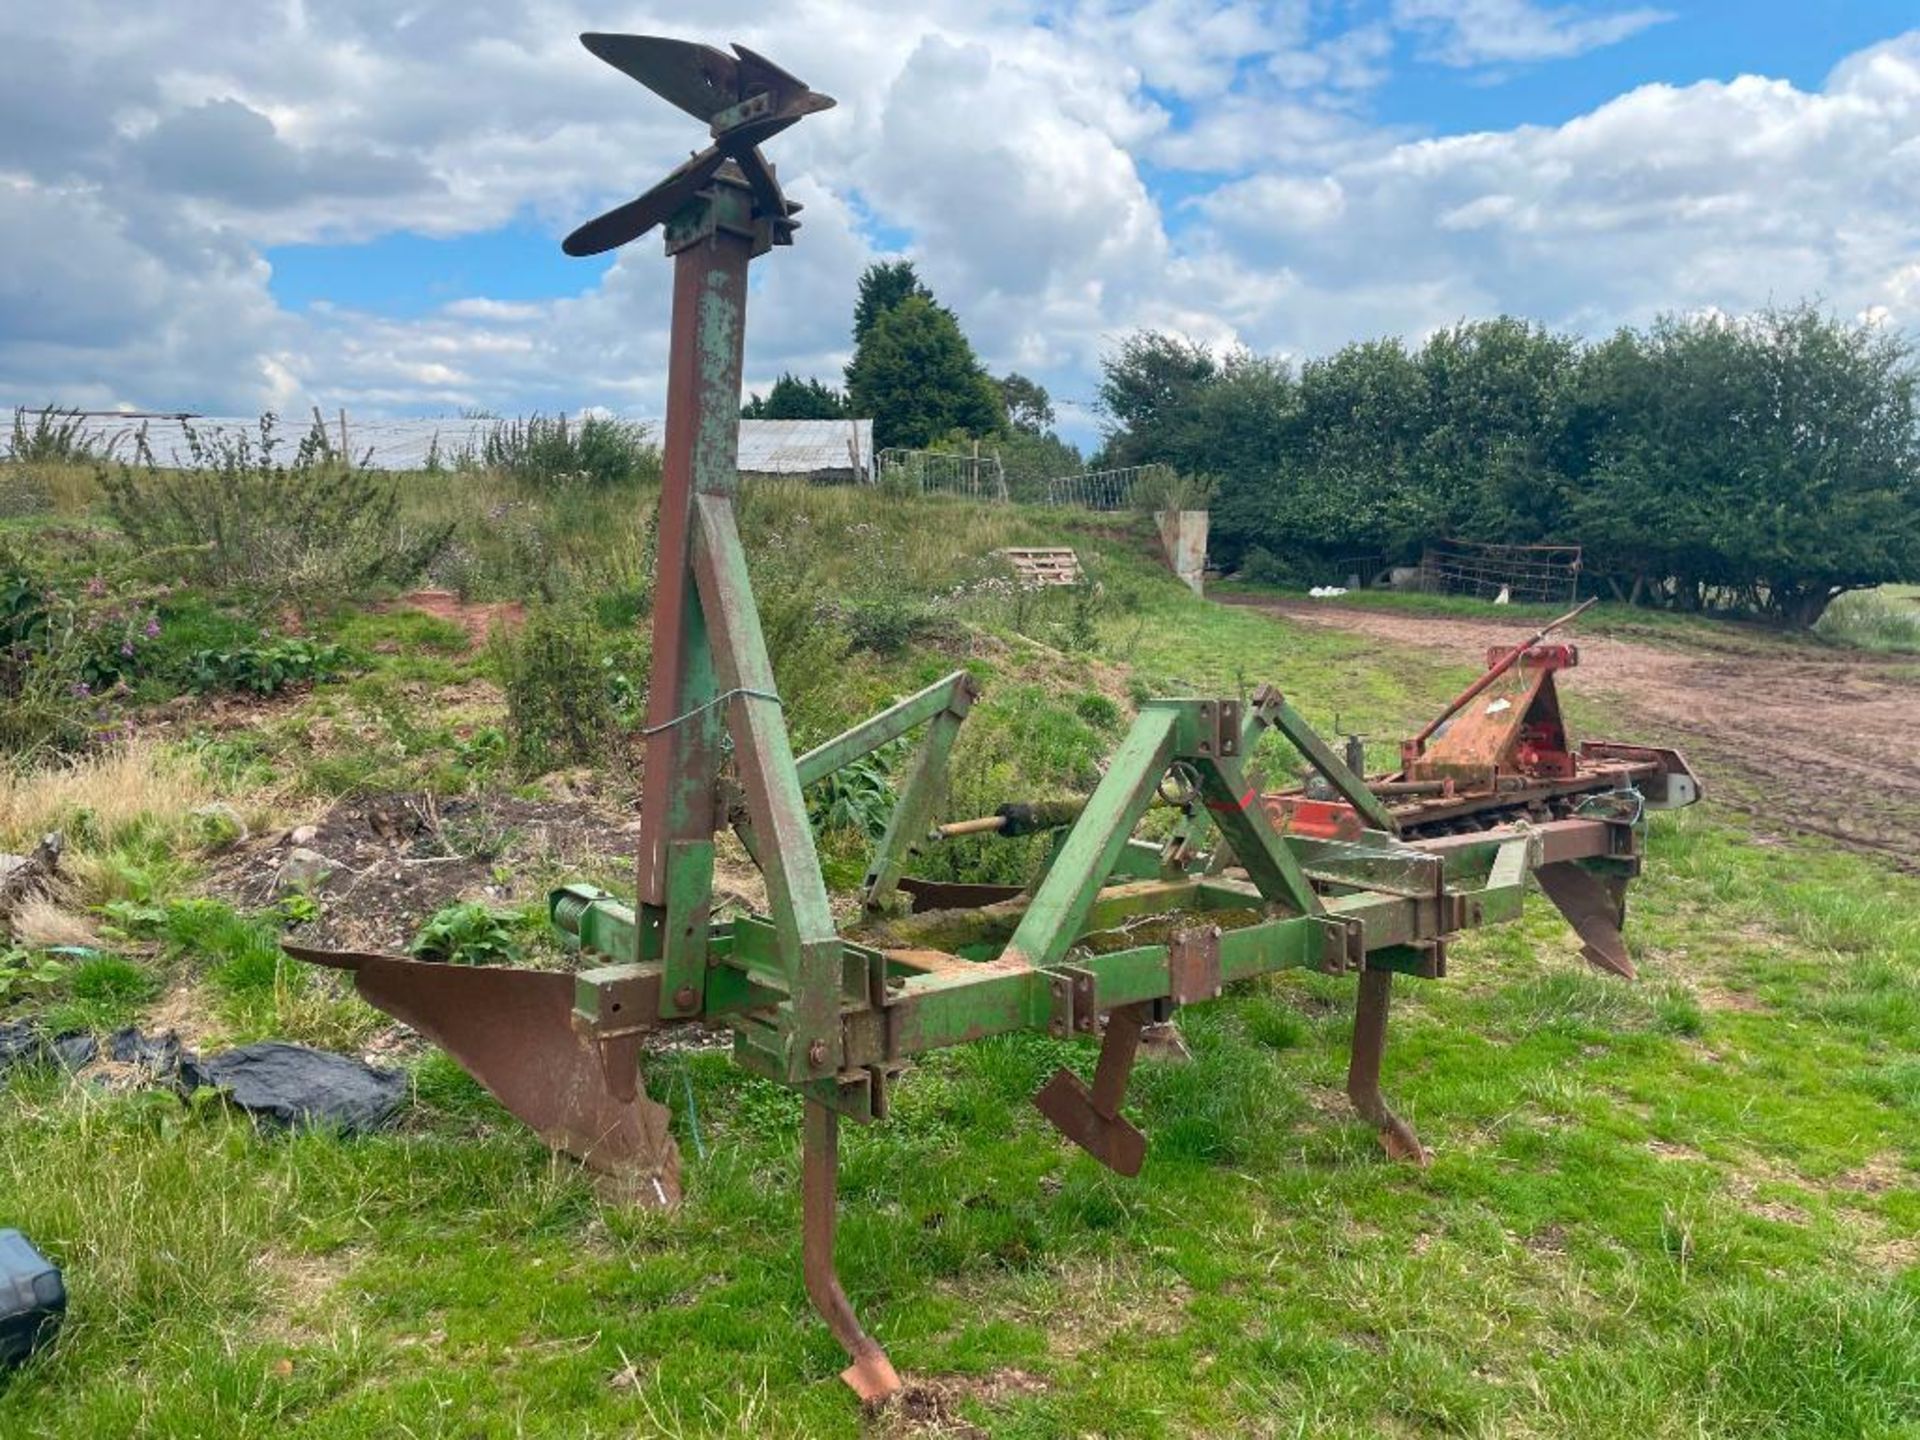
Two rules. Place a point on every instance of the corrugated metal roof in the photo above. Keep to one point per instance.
(767, 447)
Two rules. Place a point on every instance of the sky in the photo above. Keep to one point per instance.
(227, 206)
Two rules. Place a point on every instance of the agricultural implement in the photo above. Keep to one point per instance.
(1112, 936)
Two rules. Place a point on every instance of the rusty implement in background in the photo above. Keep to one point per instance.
(1112, 934)
(1498, 755)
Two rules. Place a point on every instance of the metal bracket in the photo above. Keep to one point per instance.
(1430, 965)
(1219, 729)
(1193, 965)
(1085, 1001)
(1060, 988)
(1346, 944)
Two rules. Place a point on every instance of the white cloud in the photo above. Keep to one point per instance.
(148, 157)
(1734, 195)
(1480, 32)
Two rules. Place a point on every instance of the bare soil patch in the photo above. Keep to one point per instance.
(932, 1407)
(477, 620)
(398, 858)
(1805, 739)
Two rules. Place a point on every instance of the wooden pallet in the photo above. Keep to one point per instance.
(1044, 565)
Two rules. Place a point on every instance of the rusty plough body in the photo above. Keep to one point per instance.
(1116, 933)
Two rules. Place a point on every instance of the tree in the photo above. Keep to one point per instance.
(883, 285)
(1030, 460)
(917, 376)
(1490, 453)
(1028, 407)
(792, 398)
(1771, 463)
(1147, 388)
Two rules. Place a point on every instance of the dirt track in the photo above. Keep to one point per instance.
(1803, 738)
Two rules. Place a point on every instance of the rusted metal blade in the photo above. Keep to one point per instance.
(766, 190)
(871, 1375)
(1113, 1140)
(706, 82)
(512, 1030)
(951, 895)
(699, 79)
(1595, 907)
(659, 205)
(1370, 1012)
(1090, 1115)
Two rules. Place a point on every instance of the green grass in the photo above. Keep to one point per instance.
(1679, 1208)
(1884, 619)
(1643, 1217)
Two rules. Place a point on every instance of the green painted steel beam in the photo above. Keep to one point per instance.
(796, 891)
(1351, 787)
(953, 695)
(1059, 907)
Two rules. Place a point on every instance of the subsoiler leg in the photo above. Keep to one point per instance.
(1363, 1070)
(871, 1374)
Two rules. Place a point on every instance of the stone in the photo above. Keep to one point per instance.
(303, 869)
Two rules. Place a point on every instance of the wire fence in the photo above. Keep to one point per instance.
(935, 472)
(1546, 573)
(1105, 489)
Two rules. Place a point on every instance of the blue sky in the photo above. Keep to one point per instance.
(347, 204)
(404, 274)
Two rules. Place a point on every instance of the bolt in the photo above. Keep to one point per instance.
(817, 1053)
(684, 998)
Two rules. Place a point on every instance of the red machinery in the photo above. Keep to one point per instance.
(1499, 756)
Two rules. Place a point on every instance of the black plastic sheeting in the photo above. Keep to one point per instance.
(293, 1086)
(284, 1085)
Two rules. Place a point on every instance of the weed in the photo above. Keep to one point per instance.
(68, 644)
(23, 971)
(266, 668)
(102, 992)
(55, 435)
(858, 796)
(570, 687)
(306, 530)
(1098, 711)
(469, 933)
(551, 450)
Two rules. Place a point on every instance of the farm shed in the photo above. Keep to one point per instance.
(829, 452)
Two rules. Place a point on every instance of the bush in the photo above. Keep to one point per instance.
(889, 624)
(570, 687)
(1262, 567)
(66, 645)
(547, 450)
(1874, 620)
(313, 528)
(55, 435)
(1161, 488)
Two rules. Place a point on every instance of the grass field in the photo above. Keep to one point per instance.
(1684, 1207)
